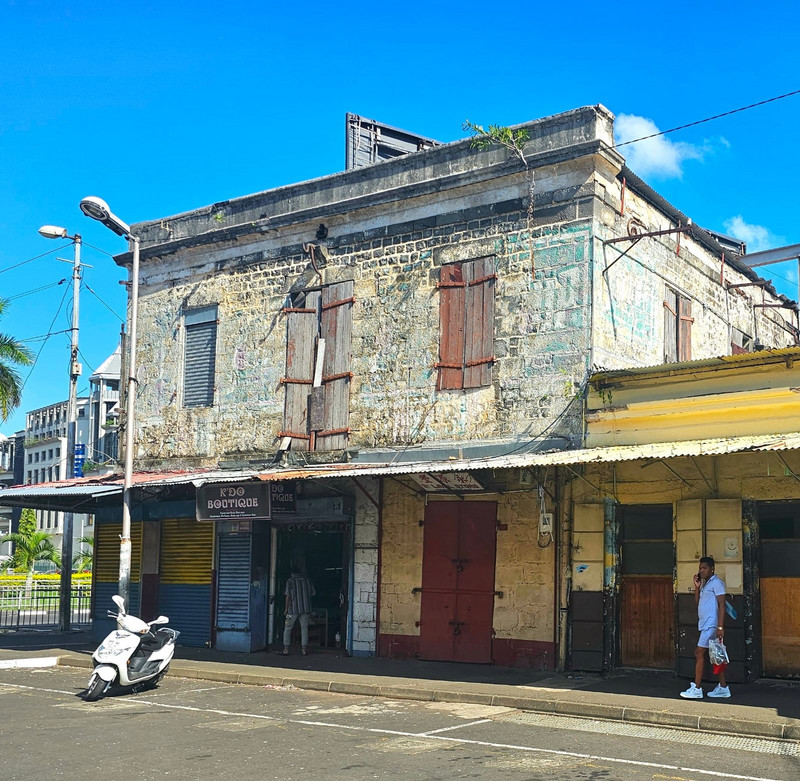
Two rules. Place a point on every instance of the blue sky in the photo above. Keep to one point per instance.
(174, 105)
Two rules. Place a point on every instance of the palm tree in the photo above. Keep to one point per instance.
(83, 561)
(28, 549)
(11, 353)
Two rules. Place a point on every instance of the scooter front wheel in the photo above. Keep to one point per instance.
(95, 688)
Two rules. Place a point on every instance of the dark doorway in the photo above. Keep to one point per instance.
(458, 566)
(647, 559)
(779, 574)
(322, 549)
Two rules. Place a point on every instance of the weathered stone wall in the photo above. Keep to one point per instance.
(401, 560)
(629, 297)
(541, 329)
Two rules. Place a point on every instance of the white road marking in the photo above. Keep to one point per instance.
(448, 729)
(17, 664)
(443, 738)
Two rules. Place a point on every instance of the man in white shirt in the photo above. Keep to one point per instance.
(709, 596)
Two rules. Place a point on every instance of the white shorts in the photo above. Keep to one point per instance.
(705, 636)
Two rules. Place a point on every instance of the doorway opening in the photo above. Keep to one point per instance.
(647, 560)
(779, 575)
(321, 551)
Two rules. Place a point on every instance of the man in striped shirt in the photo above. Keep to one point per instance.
(299, 590)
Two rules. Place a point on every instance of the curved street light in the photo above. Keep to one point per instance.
(98, 209)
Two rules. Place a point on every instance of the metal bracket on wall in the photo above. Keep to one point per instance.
(635, 235)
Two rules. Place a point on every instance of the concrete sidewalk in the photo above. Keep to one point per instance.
(764, 709)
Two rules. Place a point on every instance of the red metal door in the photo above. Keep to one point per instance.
(458, 581)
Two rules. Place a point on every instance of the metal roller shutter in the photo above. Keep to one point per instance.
(233, 578)
(184, 593)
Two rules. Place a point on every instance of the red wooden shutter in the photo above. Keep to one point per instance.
(685, 330)
(452, 296)
(670, 326)
(336, 329)
(302, 324)
(479, 276)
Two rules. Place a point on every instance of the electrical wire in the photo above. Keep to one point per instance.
(30, 260)
(83, 284)
(35, 290)
(45, 336)
(50, 328)
(105, 252)
(709, 119)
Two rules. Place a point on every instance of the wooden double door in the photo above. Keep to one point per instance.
(646, 626)
(458, 567)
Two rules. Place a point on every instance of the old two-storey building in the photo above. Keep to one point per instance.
(399, 355)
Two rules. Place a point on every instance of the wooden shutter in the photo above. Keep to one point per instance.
(302, 325)
(685, 329)
(480, 277)
(670, 326)
(199, 360)
(336, 328)
(452, 298)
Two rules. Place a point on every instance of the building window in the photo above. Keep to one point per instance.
(36, 456)
(58, 452)
(740, 342)
(199, 360)
(466, 324)
(30, 457)
(319, 325)
(677, 327)
(57, 472)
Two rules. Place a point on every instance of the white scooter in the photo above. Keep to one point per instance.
(134, 654)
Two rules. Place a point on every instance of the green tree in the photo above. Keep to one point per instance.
(30, 546)
(83, 561)
(12, 353)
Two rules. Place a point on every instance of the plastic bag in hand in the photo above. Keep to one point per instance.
(717, 653)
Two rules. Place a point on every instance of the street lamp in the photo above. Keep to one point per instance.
(64, 604)
(97, 209)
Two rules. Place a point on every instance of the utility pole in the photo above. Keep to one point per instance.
(65, 603)
(65, 594)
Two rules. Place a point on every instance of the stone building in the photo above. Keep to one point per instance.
(401, 352)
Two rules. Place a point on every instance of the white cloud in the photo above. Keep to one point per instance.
(659, 157)
(757, 237)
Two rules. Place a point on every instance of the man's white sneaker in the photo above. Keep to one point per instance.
(693, 693)
(721, 691)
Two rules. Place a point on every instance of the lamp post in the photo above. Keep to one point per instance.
(97, 209)
(65, 600)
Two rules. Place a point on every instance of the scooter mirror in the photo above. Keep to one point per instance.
(160, 620)
(119, 602)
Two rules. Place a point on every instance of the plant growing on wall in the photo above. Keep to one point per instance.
(513, 139)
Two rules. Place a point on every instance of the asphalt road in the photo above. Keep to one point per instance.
(196, 730)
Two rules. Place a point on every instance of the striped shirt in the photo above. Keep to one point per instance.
(299, 589)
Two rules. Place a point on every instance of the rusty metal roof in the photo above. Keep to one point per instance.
(105, 487)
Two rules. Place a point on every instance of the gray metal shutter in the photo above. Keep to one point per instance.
(233, 582)
(200, 357)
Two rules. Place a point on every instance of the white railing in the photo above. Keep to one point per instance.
(38, 606)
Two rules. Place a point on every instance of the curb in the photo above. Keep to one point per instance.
(712, 724)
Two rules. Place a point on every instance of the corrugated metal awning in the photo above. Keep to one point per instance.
(67, 495)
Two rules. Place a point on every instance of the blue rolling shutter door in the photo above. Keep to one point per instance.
(233, 582)
(200, 357)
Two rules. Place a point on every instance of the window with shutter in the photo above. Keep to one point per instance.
(199, 358)
(466, 324)
(677, 327)
(317, 381)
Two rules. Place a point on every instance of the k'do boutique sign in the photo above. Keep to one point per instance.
(233, 501)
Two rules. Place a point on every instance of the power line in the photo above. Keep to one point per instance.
(105, 252)
(103, 302)
(50, 328)
(709, 119)
(36, 290)
(45, 336)
(30, 260)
